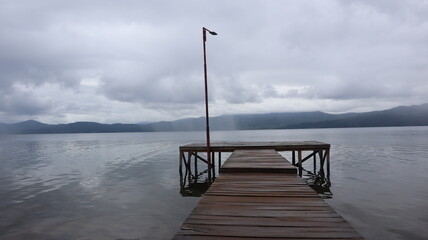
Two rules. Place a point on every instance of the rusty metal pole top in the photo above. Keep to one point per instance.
(211, 32)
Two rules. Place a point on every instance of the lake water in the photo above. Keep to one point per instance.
(126, 185)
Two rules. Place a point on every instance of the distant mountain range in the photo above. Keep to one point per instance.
(416, 115)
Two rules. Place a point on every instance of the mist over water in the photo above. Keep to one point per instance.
(126, 185)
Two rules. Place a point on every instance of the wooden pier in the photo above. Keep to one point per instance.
(258, 195)
(305, 150)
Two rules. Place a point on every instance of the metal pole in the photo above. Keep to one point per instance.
(204, 34)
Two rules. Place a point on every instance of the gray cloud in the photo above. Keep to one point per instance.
(20, 100)
(148, 56)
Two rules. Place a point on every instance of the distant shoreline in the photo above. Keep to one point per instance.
(403, 116)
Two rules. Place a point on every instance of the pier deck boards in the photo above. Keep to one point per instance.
(265, 160)
(253, 199)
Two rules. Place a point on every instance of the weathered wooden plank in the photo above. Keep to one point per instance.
(243, 185)
(265, 213)
(187, 237)
(269, 207)
(294, 189)
(261, 177)
(268, 232)
(273, 201)
(263, 191)
(264, 207)
(313, 229)
(267, 221)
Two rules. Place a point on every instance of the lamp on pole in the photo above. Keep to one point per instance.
(207, 122)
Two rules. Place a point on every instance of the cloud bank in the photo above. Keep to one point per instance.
(132, 61)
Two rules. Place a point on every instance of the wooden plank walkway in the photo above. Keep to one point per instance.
(268, 203)
(265, 161)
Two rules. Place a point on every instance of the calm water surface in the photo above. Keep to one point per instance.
(126, 185)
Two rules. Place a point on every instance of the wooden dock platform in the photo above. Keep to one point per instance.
(258, 195)
(299, 148)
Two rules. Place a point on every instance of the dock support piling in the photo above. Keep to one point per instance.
(188, 167)
(315, 162)
(196, 166)
(320, 155)
(209, 166)
(300, 163)
(219, 161)
(293, 158)
(213, 164)
(189, 157)
(328, 163)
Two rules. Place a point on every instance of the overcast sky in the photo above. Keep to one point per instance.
(133, 61)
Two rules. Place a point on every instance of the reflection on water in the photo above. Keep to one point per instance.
(194, 189)
(193, 181)
(319, 182)
(125, 185)
(90, 186)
